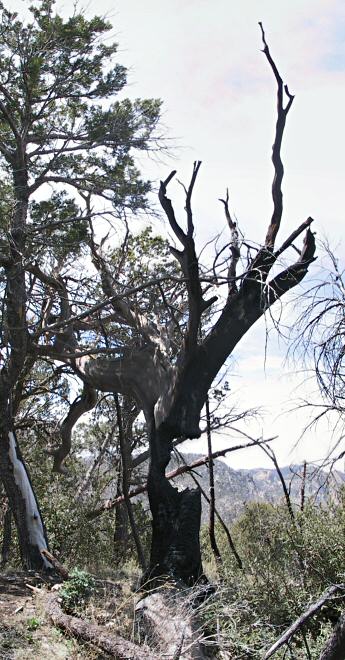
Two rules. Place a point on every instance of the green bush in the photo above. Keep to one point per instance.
(76, 592)
(286, 566)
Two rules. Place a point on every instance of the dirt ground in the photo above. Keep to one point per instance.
(25, 632)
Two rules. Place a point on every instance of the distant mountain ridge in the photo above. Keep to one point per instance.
(235, 488)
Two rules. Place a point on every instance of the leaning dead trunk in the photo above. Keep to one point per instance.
(23, 503)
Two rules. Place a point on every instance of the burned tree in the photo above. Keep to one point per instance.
(142, 338)
(172, 392)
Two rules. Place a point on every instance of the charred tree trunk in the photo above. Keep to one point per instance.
(31, 532)
(176, 516)
(335, 647)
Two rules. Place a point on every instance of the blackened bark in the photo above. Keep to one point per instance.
(23, 503)
(180, 406)
(220, 519)
(335, 647)
(176, 516)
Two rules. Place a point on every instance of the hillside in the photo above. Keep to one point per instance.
(235, 488)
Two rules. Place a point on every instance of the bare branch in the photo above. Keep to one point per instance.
(289, 241)
(234, 245)
(303, 619)
(110, 504)
(187, 258)
(168, 208)
(270, 453)
(276, 155)
(190, 226)
(80, 405)
(292, 275)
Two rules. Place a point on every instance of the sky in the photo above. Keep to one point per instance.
(203, 59)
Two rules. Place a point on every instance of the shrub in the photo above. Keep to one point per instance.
(76, 592)
(286, 566)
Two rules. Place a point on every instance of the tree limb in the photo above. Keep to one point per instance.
(110, 504)
(276, 155)
(187, 258)
(80, 405)
(116, 646)
(303, 619)
(234, 246)
(294, 274)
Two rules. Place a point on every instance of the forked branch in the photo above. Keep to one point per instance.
(187, 257)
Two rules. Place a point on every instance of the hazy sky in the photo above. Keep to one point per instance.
(202, 57)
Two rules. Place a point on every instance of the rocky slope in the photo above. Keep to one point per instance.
(235, 488)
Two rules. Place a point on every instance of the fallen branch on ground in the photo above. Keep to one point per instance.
(303, 619)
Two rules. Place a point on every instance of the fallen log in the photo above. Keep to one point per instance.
(116, 646)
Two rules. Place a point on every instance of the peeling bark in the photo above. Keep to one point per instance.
(30, 527)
